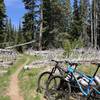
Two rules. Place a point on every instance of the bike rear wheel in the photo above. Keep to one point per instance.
(94, 95)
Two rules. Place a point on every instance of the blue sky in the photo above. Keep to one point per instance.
(15, 10)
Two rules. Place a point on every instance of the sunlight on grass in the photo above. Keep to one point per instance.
(28, 80)
(28, 83)
(88, 69)
(4, 80)
(4, 98)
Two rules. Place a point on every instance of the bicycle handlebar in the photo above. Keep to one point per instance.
(57, 61)
(74, 63)
(70, 63)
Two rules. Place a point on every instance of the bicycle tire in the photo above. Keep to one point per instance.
(93, 95)
(61, 90)
(42, 85)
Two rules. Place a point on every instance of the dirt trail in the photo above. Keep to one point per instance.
(13, 89)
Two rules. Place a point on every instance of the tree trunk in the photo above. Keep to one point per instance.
(92, 25)
(41, 27)
(95, 25)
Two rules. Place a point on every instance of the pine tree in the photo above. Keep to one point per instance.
(53, 22)
(76, 25)
(95, 23)
(29, 20)
(76, 10)
(6, 31)
(10, 33)
(68, 15)
(20, 38)
(85, 17)
(2, 20)
(68, 6)
(41, 26)
(98, 19)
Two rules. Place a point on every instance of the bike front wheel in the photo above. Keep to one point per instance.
(58, 89)
(42, 80)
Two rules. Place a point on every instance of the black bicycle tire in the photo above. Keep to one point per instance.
(47, 85)
(39, 80)
(94, 97)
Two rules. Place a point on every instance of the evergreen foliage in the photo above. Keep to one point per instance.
(53, 24)
(2, 20)
(54, 18)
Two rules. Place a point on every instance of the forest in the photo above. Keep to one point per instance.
(53, 24)
(54, 52)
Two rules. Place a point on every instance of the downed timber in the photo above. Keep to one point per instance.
(38, 64)
(8, 63)
(18, 45)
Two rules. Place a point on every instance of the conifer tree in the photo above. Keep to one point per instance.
(76, 25)
(85, 17)
(9, 32)
(53, 22)
(68, 6)
(2, 20)
(29, 20)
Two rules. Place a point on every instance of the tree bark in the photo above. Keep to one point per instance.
(92, 25)
(41, 27)
(95, 24)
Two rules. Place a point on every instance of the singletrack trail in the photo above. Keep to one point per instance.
(13, 90)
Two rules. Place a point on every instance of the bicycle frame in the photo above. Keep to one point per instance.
(87, 90)
(61, 70)
(84, 92)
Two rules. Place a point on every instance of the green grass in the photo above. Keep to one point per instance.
(4, 80)
(19, 62)
(4, 98)
(88, 69)
(28, 80)
(28, 84)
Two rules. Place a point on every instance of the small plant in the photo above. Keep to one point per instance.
(69, 46)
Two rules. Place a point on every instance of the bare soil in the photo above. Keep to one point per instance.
(13, 90)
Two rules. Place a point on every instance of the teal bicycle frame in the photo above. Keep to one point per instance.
(90, 79)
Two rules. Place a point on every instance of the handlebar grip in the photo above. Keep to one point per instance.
(57, 61)
(53, 60)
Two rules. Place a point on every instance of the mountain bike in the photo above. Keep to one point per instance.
(45, 76)
(57, 87)
(42, 80)
(89, 91)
